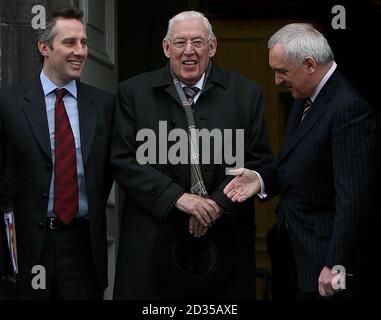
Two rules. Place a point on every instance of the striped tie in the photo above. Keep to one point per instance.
(65, 178)
(306, 106)
(190, 93)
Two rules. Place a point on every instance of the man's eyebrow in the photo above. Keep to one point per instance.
(73, 38)
(282, 70)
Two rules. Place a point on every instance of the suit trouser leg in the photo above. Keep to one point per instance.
(74, 275)
(69, 268)
(284, 280)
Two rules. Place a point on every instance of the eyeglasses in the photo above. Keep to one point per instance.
(180, 44)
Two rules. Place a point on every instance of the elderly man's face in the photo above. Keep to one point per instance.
(296, 77)
(189, 50)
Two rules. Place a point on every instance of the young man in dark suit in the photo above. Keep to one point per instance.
(325, 172)
(167, 201)
(55, 171)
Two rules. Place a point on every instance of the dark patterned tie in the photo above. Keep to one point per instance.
(190, 93)
(306, 106)
(65, 176)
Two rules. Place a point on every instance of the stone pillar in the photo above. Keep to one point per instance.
(19, 58)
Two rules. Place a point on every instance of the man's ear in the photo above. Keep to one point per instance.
(167, 48)
(43, 48)
(310, 64)
(212, 47)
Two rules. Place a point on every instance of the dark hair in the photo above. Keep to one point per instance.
(46, 35)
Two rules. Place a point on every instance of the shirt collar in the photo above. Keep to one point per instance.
(48, 86)
(323, 81)
(198, 84)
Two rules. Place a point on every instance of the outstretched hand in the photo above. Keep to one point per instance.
(245, 185)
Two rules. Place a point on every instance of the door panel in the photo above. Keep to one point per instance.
(242, 47)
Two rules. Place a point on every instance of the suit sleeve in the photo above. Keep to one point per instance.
(257, 149)
(146, 186)
(109, 179)
(5, 202)
(354, 151)
(269, 175)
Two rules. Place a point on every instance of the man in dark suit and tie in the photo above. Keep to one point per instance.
(55, 178)
(325, 173)
(170, 200)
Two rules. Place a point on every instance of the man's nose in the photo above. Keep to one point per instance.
(80, 49)
(188, 50)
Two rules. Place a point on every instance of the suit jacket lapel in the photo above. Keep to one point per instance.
(33, 104)
(293, 120)
(318, 108)
(87, 120)
(316, 112)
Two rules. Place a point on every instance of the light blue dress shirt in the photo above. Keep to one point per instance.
(71, 106)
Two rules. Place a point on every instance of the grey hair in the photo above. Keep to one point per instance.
(302, 40)
(189, 16)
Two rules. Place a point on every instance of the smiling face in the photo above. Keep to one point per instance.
(65, 58)
(189, 63)
(298, 78)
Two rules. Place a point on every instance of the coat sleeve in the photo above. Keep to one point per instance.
(146, 186)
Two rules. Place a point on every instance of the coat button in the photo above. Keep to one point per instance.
(44, 195)
(41, 224)
(49, 166)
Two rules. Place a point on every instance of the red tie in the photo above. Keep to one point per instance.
(65, 178)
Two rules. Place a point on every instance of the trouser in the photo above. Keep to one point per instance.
(68, 263)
